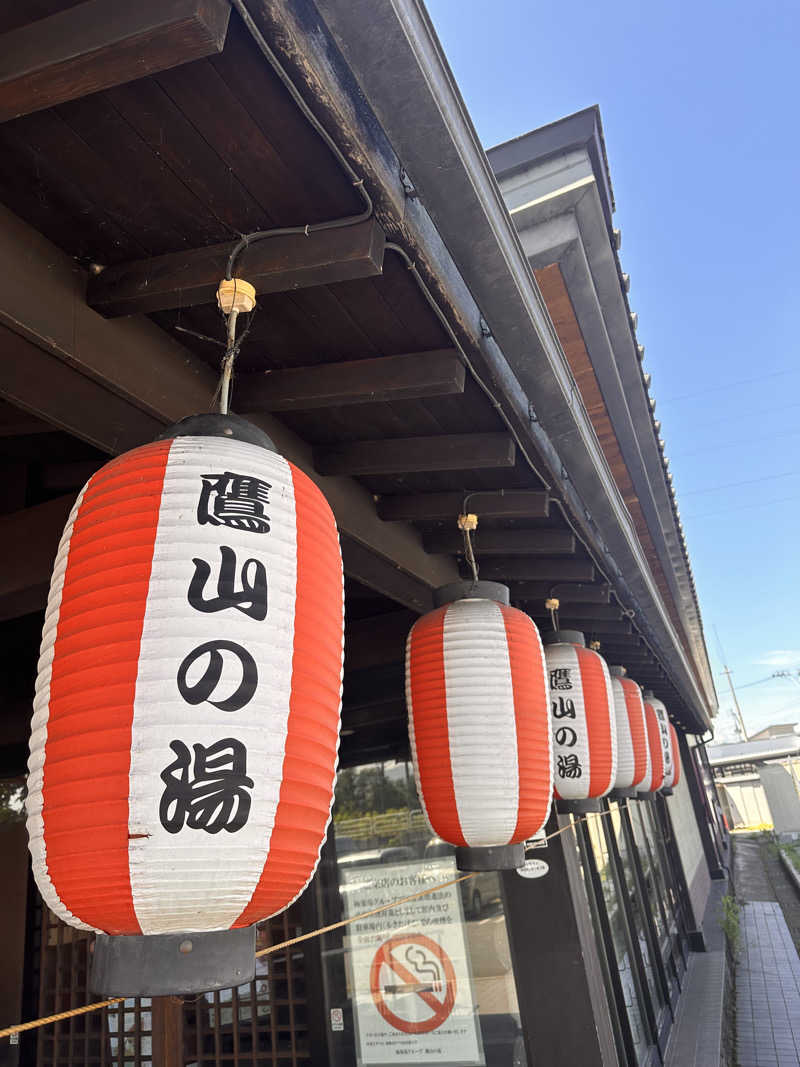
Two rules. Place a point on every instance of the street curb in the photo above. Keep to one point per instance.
(792, 871)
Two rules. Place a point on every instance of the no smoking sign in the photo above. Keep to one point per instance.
(413, 983)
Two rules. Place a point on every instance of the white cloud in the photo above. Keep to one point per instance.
(780, 658)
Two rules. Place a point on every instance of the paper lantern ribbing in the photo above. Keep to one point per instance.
(656, 750)
(672, 777)
(186, 719)
(633, 754)
(478, 722)
(583, 718)
(662, 718)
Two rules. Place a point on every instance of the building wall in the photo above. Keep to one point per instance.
(690, 846)
(13, 900)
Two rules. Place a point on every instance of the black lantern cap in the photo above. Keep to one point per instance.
(564, 637)
(468, 590)
(214, 424)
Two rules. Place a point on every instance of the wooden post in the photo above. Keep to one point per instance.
(562, 998)
(168, 1031)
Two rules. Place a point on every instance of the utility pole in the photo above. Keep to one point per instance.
(727, 674)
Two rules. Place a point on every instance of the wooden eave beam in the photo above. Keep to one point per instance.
(382, 574)
(100, 44)
(567, 592)
(504, 542)
(549, 570)
(360, 381)
(502, 504)
(406, 455)
(602, 628)
(30, 538)
(118, 383)
(275, 265)
(577, 610)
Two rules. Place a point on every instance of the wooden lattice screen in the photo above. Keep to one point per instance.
(121, 1035)
(261, 1023)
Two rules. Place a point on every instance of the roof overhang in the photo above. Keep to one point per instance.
(753, 751)
(392, 50)
(560, 208)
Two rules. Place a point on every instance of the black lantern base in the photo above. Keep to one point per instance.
(623, 793)
(577, 807)
(643, 796)
(666, 792)
(469, 590)
(156, 965)
(495, 858)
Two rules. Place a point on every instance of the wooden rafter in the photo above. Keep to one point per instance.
(274, 265)
(118, 383)
(361, 381)
(507, 504)
(551, 570)
(504, 542)
(453, 452)
(100, 44)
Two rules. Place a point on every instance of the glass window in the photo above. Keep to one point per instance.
(652, 875)
(429, 981)
(651, 849)
(632, 991)
(637, 906)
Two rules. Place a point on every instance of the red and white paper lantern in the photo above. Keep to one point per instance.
(186, 719)
(633, 753)
(582, 718)
(655, 746)
(478, 720)
(672, 777)
(665, 740)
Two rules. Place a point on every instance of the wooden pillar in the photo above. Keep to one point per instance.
(562, 997)
(168, 1031)
(13, 908)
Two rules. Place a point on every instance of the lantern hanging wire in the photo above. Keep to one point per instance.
(235, 296)
(467, 522)
(552, 604)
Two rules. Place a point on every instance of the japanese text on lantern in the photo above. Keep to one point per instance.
(207, 787)
(568, 765)
(666, 743)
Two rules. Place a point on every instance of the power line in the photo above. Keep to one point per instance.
(743, 507)
(732, 444)
(735, 485)
(728, 385)
(752, 413)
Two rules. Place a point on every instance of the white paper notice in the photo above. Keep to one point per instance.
(408, 968)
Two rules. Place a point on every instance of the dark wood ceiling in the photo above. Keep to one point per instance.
(198, 155)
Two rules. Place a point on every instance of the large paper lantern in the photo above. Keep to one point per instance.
(673, 775)
(633, 754)
(583, 720)
(186, 718)
(655, 746)
(665, 740)
(478, 724)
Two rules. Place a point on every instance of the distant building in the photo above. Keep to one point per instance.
(758, 781)
(777, 730)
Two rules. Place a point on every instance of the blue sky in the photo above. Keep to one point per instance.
(699, 103)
